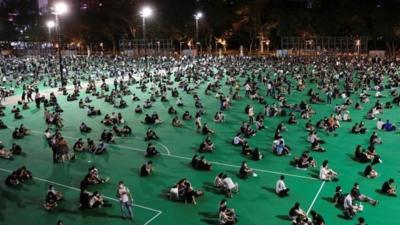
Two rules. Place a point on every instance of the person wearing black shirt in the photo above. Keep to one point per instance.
(361, 221)
(355, 192)
(388, 188)
(146, 169)
(317, 219)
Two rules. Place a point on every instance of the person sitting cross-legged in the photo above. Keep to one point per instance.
(52, 198)
(146, 169)
(151, 150)
(151, 135)
(206, 145)
(297, 214)
(79, 145)
(388, 188)
(227, 216)
(280, 187)
(84, 128)
(200, 164)
(245, 171)
(327, 174)
(369, 172)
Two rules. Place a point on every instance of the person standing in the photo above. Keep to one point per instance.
(125, 200)
(29, 95)
(250, 114)
(37, 100)
(23, 96)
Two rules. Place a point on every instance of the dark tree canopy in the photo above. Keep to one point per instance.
(240, 22)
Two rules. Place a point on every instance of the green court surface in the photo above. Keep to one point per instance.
(256, 203)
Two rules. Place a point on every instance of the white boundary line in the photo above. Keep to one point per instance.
(110, 144)
(153, 218)
(316, 197)
(188, 158)
(158, 212)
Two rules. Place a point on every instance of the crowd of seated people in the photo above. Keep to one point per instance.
(275, 89)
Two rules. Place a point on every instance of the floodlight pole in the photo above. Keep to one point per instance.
(59, 51)
(145, 42)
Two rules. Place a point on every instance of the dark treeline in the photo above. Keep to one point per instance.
(240, 22)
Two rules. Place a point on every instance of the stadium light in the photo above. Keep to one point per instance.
(60, 8)
(197, 17)
(146, 12)
(50, 24)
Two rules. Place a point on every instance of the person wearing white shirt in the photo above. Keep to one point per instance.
(125, 200)
(349, 209)
(327, 174)
(229, 185)
(280, 187)
(237, 140)
(379, 124)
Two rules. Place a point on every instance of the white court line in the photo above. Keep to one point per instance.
(153, 218)
(188, 158)
(260, 170)
(106, 197)
(110, 144)
(316, 197)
